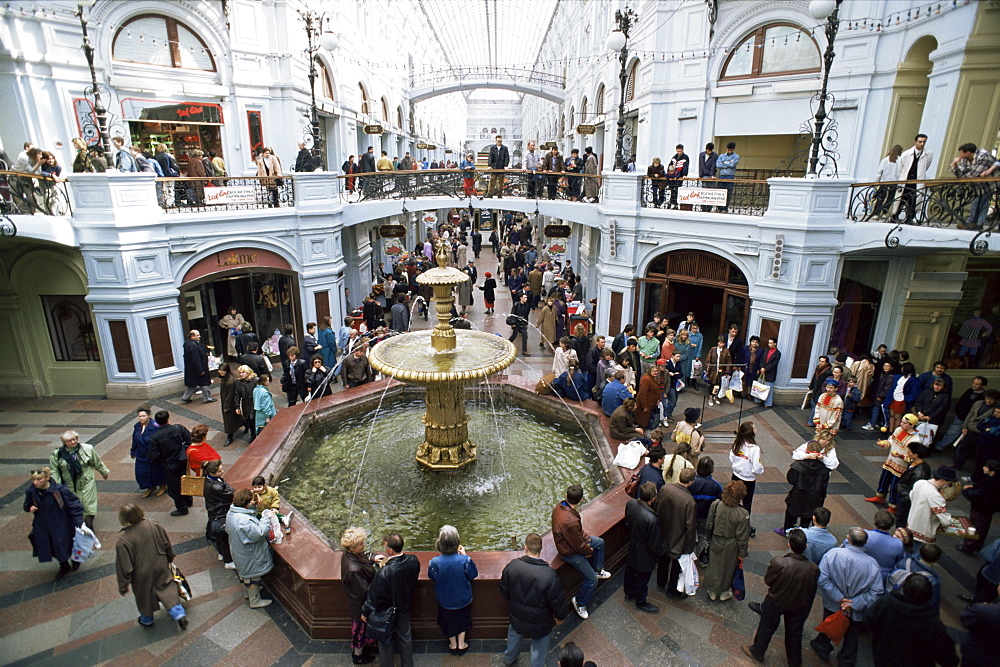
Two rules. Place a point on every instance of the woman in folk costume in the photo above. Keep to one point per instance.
(829, 408)
(897, 462)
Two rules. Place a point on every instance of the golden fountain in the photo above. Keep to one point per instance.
(443, 361)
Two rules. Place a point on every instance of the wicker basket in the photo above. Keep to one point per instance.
(192, 486)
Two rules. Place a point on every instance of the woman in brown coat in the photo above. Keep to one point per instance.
(142, 560)
(546, 323)
(357, 569)
(648, 397)
(729, 529)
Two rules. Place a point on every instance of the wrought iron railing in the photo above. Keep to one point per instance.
(30, 194)
(448, 74)
(185, 195)
(743, 197)
(484, 184)
(967, 204)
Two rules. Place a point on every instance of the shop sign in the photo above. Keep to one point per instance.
(549, 144)
(373, 129)
(558, 231)
(431, 147)
(236, 194)
(448, 150)
(235, 258)
(586, 129)
(702, 196)
(185, 112)
(392, 231)
(421, 145)
(393, 248)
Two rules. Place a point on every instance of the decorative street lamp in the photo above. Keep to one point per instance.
(100, 112)
(829, 10)
(316, 39)
(618, 41)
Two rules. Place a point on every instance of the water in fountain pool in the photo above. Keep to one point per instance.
(522, 471)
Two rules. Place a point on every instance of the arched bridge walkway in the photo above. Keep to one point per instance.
(548, 86)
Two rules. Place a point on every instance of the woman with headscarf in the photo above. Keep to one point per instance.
(489, 288)
(56, 514)
(728, 526)
(686, 432)
(143, 555)
(148, 475)
(76, 465)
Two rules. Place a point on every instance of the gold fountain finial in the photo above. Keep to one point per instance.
(442, 253)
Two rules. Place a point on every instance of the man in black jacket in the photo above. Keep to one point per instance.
(908, 631)
(499, 159)
(645, 544)
(254, 360)
(366, 165)
(536, 602)
(304, 160)
(168, 447)
(196, 373)
(791, 581)
(521, 310)
(394, 585)
(246, 337)
(285, 342)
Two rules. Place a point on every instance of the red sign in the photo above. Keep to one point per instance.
(235, 258)
(184, 112)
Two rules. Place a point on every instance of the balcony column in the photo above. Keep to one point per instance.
(130, 284)
(321, 281)
(615, 265)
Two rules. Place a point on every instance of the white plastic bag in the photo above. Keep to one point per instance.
(724, 383)
(926, 431)
(688, 582)
(630, 454)
(275, 534)
(696, 369)
(736, 380)
(84, 543)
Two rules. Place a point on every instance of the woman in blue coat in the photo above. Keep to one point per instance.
(57, 513)
(328, 339)
(148, 475)
(904, 390)
(452, 573)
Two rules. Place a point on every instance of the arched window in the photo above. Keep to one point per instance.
(493, 131)
(572, 118)
(502, 132)
(485, 133)
(583, 110)
(773, 50)
(364, 98)
(599, 100)
(161, 41)
(399, 117)
(633, 74)
(385, 110)
(326, 84)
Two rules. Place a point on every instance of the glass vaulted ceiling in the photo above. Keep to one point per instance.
(490, 33)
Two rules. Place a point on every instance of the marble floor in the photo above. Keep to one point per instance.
(84, 621)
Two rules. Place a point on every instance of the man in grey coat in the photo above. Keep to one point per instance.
(400, 314)
(645, 544)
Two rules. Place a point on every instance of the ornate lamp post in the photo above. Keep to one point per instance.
(618, 41)
(316, 38)
(100, 112)
(829, 10)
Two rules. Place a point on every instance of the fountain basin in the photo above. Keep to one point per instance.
(306, 577)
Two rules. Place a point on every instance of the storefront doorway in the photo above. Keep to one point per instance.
(183, 128)
(259, 283)
(677, 283)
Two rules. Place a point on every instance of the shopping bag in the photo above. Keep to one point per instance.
(688, 582)
(630, 454)
(723, 386)
(380, 624)
(834, 626)
(274, 534)
(183, 587)
(759, 390)
(84, 543)
(739, 582)
(680, 385)
(736, 380)
(926, 432)
(696, 369)
(806, 399)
